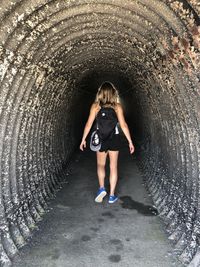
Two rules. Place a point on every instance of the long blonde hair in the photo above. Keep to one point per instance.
(107, 95)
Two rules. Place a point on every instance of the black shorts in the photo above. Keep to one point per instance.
(112, 144)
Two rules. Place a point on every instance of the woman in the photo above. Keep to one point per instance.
(107, 99)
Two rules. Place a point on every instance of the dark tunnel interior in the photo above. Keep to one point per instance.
(53, 56)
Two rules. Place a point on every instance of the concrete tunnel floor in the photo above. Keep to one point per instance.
(79, 232)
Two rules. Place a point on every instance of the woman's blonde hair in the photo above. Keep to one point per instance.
(107, 95)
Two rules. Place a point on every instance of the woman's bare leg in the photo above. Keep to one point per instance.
(113, 155)
(101, 162)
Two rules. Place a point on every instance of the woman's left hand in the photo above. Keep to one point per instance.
(131, 148)
(83, 145)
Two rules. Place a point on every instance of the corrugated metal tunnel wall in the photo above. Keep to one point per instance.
(53, 53)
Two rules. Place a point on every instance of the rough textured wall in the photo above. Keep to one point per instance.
(49, 51)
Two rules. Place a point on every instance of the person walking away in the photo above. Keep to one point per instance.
(107, 105)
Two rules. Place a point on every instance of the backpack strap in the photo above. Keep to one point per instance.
(96, 118)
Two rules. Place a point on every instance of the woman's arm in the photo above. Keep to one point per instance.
(88, 125)
(124, 126)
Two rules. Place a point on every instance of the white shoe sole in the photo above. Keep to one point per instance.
(100, 197)
(112, 201)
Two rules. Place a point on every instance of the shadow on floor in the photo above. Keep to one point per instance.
(129, 203)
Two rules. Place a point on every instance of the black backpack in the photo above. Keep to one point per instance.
(106, 121)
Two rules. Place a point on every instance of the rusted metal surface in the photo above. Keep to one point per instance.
(45, 46)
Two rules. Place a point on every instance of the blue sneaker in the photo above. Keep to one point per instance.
(112, 199)
(100, 194)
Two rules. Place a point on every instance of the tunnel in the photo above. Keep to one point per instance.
(53, 56)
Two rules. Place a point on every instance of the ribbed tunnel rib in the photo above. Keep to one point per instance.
(54, 54)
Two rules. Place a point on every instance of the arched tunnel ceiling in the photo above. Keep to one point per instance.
(54, 55)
